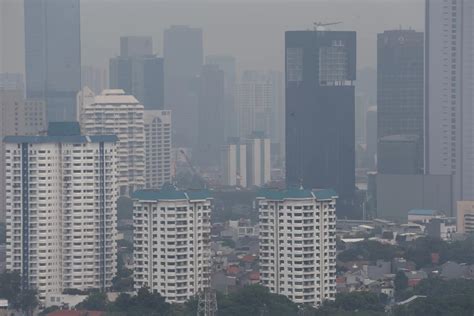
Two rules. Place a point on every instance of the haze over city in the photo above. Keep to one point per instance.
(236, 157)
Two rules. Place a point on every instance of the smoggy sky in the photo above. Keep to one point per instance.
(252, 31)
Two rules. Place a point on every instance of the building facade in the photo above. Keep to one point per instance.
(465, 217)
(320, 114)
(298, 244)
(61, 193)
(53, 55)
(171, 242)
(18, 116)
(138, 72)
(183, 59)
(400, 78)
(115, 113)
(211, 136)
(258, 160)
(157, 148)
(449, 97)
(235, 163)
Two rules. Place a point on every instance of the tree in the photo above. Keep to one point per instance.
(401, 281)
(95, 301)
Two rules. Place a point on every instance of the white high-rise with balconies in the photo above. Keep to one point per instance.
(115, 113)
(171, 231)
(61, 193)
(234, 163)
(298, 244)
(258, 159)
(157, 148)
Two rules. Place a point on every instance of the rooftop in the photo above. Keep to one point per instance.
(61, 132)
(424, 212)
(169, 192)
(295, 193)
(115, 96)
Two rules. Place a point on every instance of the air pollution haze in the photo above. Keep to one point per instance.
(252, 31)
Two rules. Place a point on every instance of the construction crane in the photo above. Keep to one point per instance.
(193, 170)
(320, 26)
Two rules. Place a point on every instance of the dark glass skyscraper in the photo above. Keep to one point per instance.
(320, 118)
(53, 55)
(400, 92)
(138, 72)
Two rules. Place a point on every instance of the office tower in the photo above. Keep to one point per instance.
(298, 244)
(465, 217)
(449, 111)
(258, 159)
(95, 78)
(399, 154)
(18, 116)
(210, 130)
(234, 163)
(53, 55)
(183, 54)
(371, 137)
(131, 46)
(227, 65)
(138, 72)
(171, 236)
(400, 91)
(114, 112)
(61, 193)
(320, 74)
(157, 148)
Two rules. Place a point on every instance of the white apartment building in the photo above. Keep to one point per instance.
(298, 244)
(449, 93)
(235, 163)
(465, 217)
(157, 148)
(171, 236)
(258, 160)
(115, 113)
(61, 192)
(18, 116)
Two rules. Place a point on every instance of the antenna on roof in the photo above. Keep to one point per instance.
(320, 26)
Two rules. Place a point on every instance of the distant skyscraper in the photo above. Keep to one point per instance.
(183, 57)
(449, 93)
(211, 137)
(227, 65)
(172, 242)
(400, 90)
(94, 78)
(235, 163)
(371, 137)
(157, 148)
(53, 55)
(320, 74)
(114, 112)
(138, 72)
(61, 228)
(258, 159)
(298, 244)
(11, 81)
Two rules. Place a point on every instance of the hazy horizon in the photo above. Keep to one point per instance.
(238, 28)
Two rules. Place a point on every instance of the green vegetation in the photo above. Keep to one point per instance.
(419, 251)
(255, 300)
(354, 303)
(370, 250)
(453, 297)
(10, 289)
